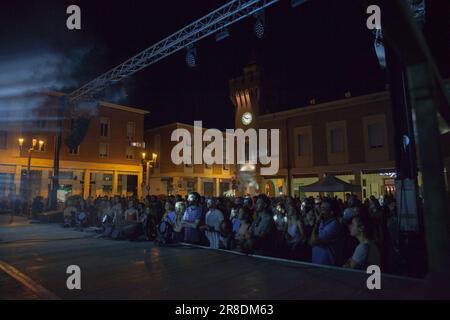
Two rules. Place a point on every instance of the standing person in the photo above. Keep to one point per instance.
(165, 227)
(226, 234)
(213, 220)
(169, 212)
(309, 216)
(82, 216)
(70, 213)
(280, 220)
(191, 219)
(317, 203)
(327, 235)
(148, 224)
(131, 213)
(117, 212)
(248, 202)
(36, 207)
(352, 209)
(140, 210)
(376, 219)
(263, 227)
(295, 236)
(235, 220)
(243, 235)
(91, 211)
(350, 212)
(108, 210)
(366, 253)
(180, 208)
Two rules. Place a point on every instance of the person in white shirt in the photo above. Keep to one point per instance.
(213, 220)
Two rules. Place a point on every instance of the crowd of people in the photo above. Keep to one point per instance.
(321, 230)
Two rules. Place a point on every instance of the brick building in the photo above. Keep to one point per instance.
(105, 163)
(169, 178)
(351, 138)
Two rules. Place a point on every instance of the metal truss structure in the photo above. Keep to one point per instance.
(213, 22)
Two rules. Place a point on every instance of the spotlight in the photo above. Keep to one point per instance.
(259, 26)
(379, 48)
(191, 57)
(295, 3)
(418, 9)
(259, 29)
(222, 34)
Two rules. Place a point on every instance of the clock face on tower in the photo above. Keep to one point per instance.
(247, 118)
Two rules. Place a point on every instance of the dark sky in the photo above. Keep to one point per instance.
(318, 50)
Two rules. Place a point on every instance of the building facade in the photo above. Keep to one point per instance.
(171, 179)
(107, 162)
(351, 138)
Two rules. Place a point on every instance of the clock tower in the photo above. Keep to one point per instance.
(245, 93)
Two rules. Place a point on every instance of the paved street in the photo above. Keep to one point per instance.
(39, 254)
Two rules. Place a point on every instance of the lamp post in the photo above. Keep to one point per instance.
(148, 163)
(34, 143)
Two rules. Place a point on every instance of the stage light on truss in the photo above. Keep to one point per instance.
(260, 25)
(222, 34)
(379, 48)
(295, 3)
(418, 10)
(259, 29)
(191, 57)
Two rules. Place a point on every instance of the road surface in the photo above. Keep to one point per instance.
(34, 259)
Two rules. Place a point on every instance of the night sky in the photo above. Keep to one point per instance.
(318, 50)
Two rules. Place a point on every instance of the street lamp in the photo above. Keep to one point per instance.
(148, 163)
(34, 143)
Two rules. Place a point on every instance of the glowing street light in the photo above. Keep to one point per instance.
(148, 164)
(34, 143)
(41, 144)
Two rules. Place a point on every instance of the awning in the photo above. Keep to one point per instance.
(330, 184)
